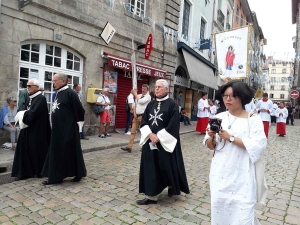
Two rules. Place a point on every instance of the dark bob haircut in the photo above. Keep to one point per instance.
(240, 89)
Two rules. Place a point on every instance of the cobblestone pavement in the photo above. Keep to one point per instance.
(108, 194)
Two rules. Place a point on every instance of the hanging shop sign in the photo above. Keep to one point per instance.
(23, 3)
(294, 94)
(181, 81)
(108, 32)
(148, 47)
(125, 64)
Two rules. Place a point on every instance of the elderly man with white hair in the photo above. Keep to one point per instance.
(161, 161)
(34, 138)
(65, 158)
(104, 101)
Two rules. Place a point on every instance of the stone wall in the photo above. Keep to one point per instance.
(79, 23)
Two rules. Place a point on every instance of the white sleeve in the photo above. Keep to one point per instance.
(145, 131)
(201, 105)
(100, 99)
(167, 141)
(130, 99)
(285, 113)
(256, 142)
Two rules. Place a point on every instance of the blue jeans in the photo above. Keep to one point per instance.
(129, 121)
(82, 132)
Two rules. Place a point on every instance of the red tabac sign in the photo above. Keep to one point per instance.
(294, 94)
(148, 47)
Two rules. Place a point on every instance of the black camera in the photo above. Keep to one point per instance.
(215, 124)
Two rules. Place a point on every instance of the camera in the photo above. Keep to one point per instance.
(215, 124)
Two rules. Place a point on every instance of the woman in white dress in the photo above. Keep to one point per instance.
(240, 143)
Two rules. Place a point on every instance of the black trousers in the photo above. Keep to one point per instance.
(291, 116)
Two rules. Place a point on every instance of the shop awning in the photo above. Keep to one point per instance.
(125, 64)
(199, 71)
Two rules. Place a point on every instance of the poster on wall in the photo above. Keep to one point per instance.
(112, 115)
(110, 80)
(232, 48)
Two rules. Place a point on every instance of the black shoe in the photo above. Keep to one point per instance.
(146, 201)
(126, 149)
(292, 124)
(39, 176)
(76, 179)
(46, 182)
(170, 192)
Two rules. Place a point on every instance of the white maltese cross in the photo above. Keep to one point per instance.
(155, 117)
(55, 106)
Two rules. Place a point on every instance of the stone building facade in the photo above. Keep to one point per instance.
(46, 37)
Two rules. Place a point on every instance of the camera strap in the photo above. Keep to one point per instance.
(215, 146)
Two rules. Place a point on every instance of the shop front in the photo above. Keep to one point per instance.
(118, 77)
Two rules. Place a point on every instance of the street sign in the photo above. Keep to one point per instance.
(148, 47)
(294, 94)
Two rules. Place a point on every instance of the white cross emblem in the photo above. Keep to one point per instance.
(55, 106)
(155, 117)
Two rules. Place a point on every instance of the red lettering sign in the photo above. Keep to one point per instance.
(294, 94)
(148, 46)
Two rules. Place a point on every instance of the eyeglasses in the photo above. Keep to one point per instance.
(159, 87)
(231, 96)
(54, 81)
(30, 85)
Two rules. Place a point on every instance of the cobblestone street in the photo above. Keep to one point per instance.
(108, 194)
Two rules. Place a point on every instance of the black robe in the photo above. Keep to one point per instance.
(33, 141)
(65, 158)
(159, 168)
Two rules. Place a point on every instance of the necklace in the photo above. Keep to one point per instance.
(229, 126)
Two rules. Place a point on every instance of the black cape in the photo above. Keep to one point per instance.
(65, 157)
(33, 141)
(159, 168)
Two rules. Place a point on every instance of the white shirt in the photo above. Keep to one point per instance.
(202, 113)
(268, 105)
(275, 107)
(130, 99)
(104, 99)
(213, 111)
(250, 107)
(142, 103)
(281, 118)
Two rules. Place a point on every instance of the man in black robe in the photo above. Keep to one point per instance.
(161, 161)
(34, 140)
(65, 158)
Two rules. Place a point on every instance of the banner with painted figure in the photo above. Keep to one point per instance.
(232, 49)
(110, 80)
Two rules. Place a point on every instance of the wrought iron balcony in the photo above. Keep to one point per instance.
(228, 27)
(221, 18)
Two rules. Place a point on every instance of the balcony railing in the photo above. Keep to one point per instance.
(221, 18)
(228, 27)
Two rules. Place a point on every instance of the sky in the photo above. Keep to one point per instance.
(275, 19)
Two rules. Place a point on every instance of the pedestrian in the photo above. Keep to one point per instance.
(104, 101)
(23, 98)
(161, 161)
(77, 89)
(178, 99)
(239, 143)
(152, 94)
(250, 107)
(273, 113)
(291, 110)
(34, 138)
(264, 108)
(212, 111)
(184, 117)
(141, 102)
(129, 111)
(281, 115)
(65, 158)
(203, 114)
(7, 120)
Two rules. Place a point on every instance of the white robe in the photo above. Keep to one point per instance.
(213, 111)
(250, 107)
(232, 172)
(202, 113)
(281, 118)
(265, 116)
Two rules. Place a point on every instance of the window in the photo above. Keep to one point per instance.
(30, 53)
(283, 70)
(282, 87)
(242, 20)
(271, 95)
(273, 71)
(202, 29)
(284, 63)
(273, 64)
(53, 56)
(237, 14)
(281, 96)
(272, 87)
(186, 19)
(138, 7)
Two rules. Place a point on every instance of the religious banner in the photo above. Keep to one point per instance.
(112, 115)
(110, 80)
(232, 52)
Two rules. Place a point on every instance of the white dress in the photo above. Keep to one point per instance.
(232, 173)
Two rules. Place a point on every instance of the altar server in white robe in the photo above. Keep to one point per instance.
(212, 109)
(203, 114)
(239, 144)
(281, 115)
(250, 107)
(264, 108)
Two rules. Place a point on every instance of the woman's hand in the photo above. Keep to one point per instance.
(224, 135)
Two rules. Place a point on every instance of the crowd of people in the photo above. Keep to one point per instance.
(235, 128)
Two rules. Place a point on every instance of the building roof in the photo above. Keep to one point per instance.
(294, 10)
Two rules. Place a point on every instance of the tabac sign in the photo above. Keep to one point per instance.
(23, 3)
(148, 46)
(108, 32)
